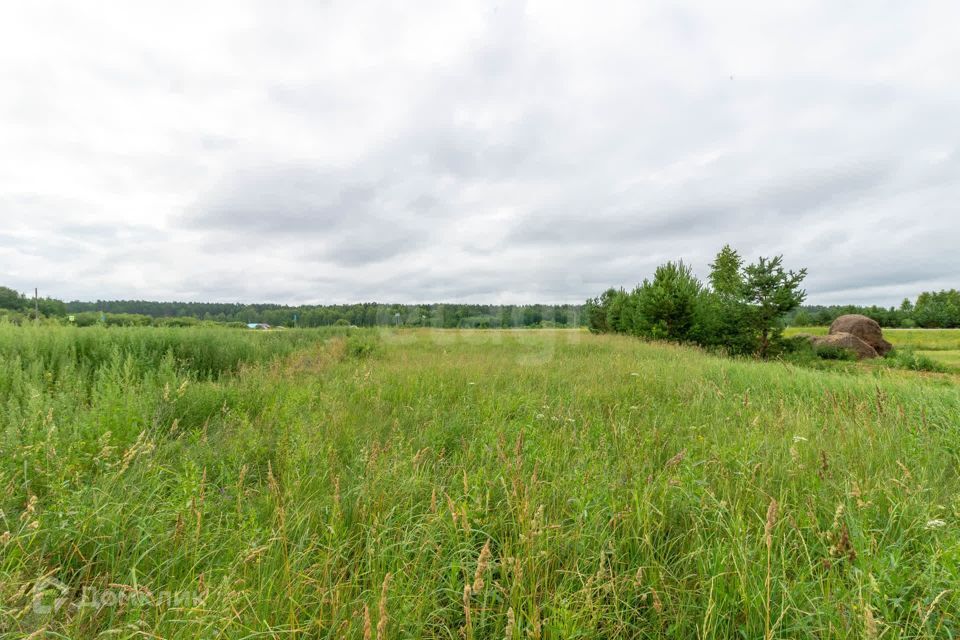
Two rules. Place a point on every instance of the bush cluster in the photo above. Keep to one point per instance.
(741, 311)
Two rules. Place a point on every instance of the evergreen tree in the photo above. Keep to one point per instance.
(665, 306)
(725, 273)
(771, 292)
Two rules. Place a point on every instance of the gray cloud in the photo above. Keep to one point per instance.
(284, 200)
(336, 152)
(722, 204)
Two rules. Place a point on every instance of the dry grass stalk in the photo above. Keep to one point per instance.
(771, 521)
(869, 623)
(675, 460)
(657, 603)
(468, 623)
(382, 608)
(482, 562)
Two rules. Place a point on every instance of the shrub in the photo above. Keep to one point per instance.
(905, 358)
(362, 345)
(666, 306)
(721, 322)
(831, 352)
(184, 321)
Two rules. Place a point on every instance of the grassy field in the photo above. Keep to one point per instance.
(429, 484)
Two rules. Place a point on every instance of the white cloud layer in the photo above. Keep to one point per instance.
(470, 151)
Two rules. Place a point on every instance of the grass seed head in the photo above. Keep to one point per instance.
(482, 562)
(771, 521)
(675, 460)
(511, 623)
(382, 607)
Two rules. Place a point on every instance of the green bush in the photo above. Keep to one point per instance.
(185, 321)
(799, 349)
(666, 306)
(721, 322)
(905, 358)
(362, 345)
(830, 352)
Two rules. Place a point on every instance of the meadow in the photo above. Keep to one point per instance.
(203, 482)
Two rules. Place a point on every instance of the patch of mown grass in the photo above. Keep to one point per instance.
(543, 484)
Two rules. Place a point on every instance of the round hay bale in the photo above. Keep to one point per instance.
(846, 341)
(864, 328)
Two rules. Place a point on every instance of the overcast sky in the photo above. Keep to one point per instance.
(473, 151)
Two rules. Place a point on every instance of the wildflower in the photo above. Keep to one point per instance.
(935, 524)
(799, 439)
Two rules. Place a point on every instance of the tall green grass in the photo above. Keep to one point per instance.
(479, 485)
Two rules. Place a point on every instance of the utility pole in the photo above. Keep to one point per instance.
(36, 306)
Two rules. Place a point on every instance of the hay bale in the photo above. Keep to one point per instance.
(864, 328)
(846, 341)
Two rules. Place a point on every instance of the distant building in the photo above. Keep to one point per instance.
(258, 325)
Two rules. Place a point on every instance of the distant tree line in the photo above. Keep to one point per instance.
(932, 310)
(940, 309)
(145, 312)
(14, 303)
